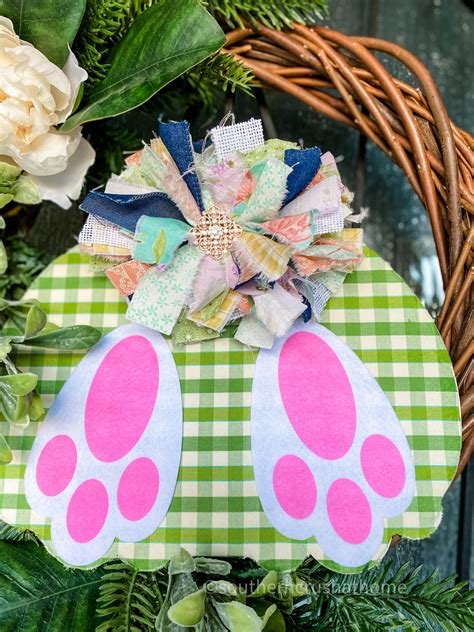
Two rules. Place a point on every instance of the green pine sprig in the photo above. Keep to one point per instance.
(220, 72)
(104, 23)
(272, 13)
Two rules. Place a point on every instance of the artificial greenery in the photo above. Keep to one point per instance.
(24, 264)
(24, 322)
(272, 13)
(38, 593)
(210, 595)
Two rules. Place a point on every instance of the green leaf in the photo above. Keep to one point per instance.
(47, 24)
(71, 338)
(189, 610)
(268, 585)
(25, 191)
(3, 258)
(159, 246)
(238, 617)
(5, 347)
(181, 562)
(38, 593)
(269, 612)
(129, 600)
(222, 587)
(212, 567)
(5, 452)
(36, 407)
(275, 623)
(14, 408)
(163, 42)
(35, 321)
(20, 383)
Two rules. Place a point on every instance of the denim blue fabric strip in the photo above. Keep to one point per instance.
(126, 210)
(305, 163)
(201, 144)
(177, 139)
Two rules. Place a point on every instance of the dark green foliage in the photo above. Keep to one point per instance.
(49, 25)
(103, 25)
(24, 264)
(376, 599)
(272, 13)
(14, 534)
(38, 593)
(130, 600)
(381, 599)
(219, 72)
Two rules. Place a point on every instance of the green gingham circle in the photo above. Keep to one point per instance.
(216, 510)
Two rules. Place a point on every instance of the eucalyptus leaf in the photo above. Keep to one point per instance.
(181, 562)
(36, 407)
(5, 347)
(212, 567)
(222, 587)
(20, 383)
(35, 321)
(163, 42)
(47, 24)
(13, 407)
(3, 258)
(21, 422)
(268, 614)
(238, 617)
(268, 585)
(275, 623)
(5, 455)
(188, 611)
(38, 593)
(71, 338)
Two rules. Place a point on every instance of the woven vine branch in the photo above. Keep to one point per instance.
(339, 76)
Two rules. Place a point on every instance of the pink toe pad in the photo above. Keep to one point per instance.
(383, 466)
(87, 511)
(349, 511)
(56, 465)
(294, 487)
(138, 489)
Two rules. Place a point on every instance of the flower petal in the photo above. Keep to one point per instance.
(63, 187)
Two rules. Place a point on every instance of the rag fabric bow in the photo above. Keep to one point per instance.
(198, 242)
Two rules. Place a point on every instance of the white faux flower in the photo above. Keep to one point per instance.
(35, 96)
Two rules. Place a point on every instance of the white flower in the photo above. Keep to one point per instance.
(35, 96)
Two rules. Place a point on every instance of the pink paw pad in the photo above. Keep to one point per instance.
(56, 465)
(87, 511)
(349, 511)
(138, 488)
(321, 422)
(105, 462)
(294, 486)
(129, 368)
(308, 371)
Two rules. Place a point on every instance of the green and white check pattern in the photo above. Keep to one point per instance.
(216, 510)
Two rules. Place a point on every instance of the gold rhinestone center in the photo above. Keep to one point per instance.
(215, 233)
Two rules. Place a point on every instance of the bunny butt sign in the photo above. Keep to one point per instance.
(265, 387)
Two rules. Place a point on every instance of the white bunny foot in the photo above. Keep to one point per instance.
(105, 462)
(330, 457)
